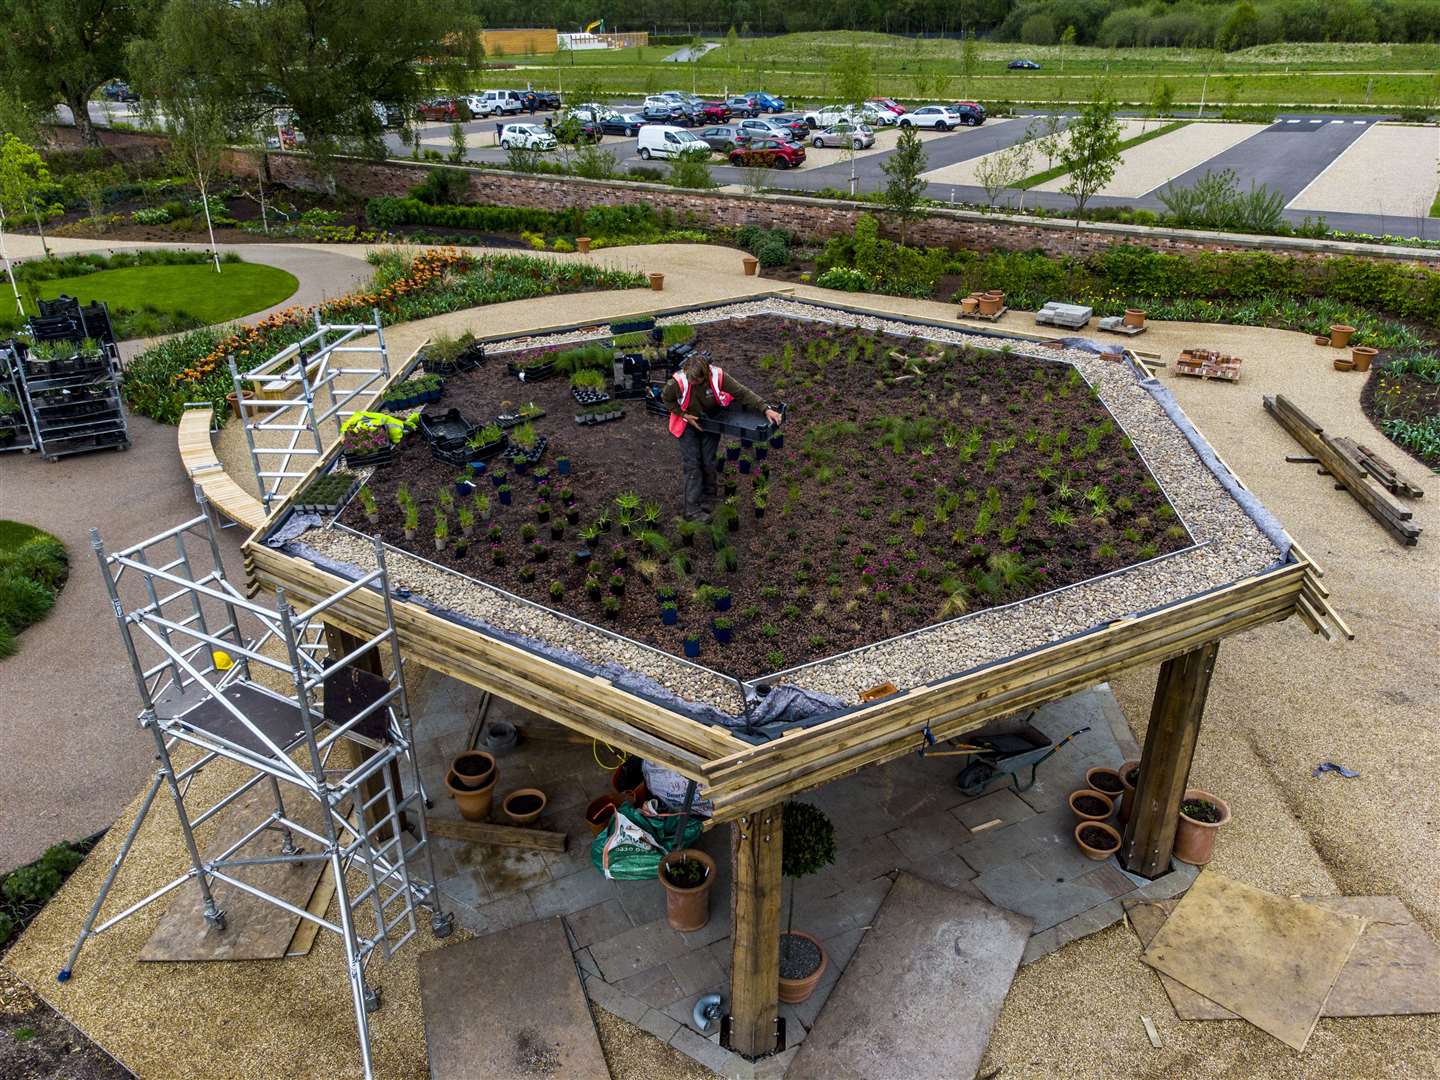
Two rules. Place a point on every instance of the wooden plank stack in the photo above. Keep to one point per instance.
(1380, 470)
(1205, 364)
(1346, 470)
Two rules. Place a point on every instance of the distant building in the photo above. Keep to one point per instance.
(583, 41)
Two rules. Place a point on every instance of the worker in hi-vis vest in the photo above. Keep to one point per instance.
(700, 388)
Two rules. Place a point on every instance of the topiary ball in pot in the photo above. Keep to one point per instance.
(808, 847)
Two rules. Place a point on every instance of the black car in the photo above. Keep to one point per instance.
(118, 91)
(622, 123)
(578, 131)
(972, 113)
(1023, 65)
(545, 100)
(673, 113)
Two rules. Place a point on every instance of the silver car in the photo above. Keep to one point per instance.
(860, 136)
(723, 137)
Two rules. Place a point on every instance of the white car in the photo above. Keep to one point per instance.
(527, 137)
(939, 117)
(860, 136)
(479, 105)
(498, 101)
(827, 115)
(877, 115)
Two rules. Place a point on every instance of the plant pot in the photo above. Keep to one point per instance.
(657, 282)
(1105, 780)
(751, 264)
(1340, 335)
(1091, 845)
(687, 907)
(1127, 801)
(969, 306)
(582, 245)
(669, 616)
(1322, 339)
(989, 305)
(1134, 317)
(525, 805)
(472, 791)
(1361, 355)
(794, 990)
(599, 813)
(1087, 804)
(692, 649)
(473, 769)
(722, 635)
(627, 781)
(1195, 840)
(1341, 364)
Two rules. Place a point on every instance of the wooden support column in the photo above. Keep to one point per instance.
(755, 943)
(340, 643)
(1165, 763)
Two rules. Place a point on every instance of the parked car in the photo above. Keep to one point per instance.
(527, 137)
(772, 153)
(723, 137)
(118, 91)
(845, 133)
(500, 101)
(939, 117)
(714, 112)
(766, 102)
(665, 110)
(610, 121)
(972, 112)
(669, 141)
(877, 116)
(545, 100)
(826, 115)
(743, 106)
(570, 127)
(888, 104)
(767, 129)
(796, 127)
(1023, 65)
(449, 109)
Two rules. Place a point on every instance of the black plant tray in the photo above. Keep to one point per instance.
(532, 373)
(739, 424)
(447, 427)
(488, 451)
(328, 507)
(631, 326)
(588, 397)
(591, 419)
(534, 454)
(452, 453)
(380, 457)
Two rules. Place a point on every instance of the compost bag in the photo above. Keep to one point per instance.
(632, 845)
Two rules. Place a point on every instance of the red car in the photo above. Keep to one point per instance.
(440, 109)
(889, 104)
(714, 112)
(771, 153)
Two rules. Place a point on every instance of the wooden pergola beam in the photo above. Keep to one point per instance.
(1170, 740)
(756, 847)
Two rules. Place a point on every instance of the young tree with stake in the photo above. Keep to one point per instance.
(1091, 154)
(905, 186)
(24, 185)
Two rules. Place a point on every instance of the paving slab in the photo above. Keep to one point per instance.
(922, 991)
(468, 993)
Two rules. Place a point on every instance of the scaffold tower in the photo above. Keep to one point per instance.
(205, 660)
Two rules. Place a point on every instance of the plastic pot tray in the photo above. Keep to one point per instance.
(444, 428)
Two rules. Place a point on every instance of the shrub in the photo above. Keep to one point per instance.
(156, 216)
(843, 277)
(441, 186)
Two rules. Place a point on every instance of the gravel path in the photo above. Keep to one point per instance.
(1391, 169)
(1152, 164)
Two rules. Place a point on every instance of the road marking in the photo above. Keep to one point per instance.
(1359, 121)
(1317, 121)
(1292, 121)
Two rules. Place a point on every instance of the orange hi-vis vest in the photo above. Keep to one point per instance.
(717, 380)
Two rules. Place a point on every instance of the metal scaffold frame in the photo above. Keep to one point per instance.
(285, 394)
(201, 694)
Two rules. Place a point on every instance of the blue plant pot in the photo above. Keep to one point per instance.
(496, 479)
(692, 649)
(761, 453)
(777, 441)
(669, 616)
(463, 487)
(506, 497)
(563, 468)
(722, 636)
(722, 603)
(744, 467)
(732, 453)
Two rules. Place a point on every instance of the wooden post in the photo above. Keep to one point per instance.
(1165, 764)
(755, 943)
(340, 643)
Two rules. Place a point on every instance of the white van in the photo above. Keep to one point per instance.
(664, 141)
(493, 102)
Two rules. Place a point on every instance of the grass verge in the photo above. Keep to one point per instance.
(33, 569)
(197, 291)
(1060, 170)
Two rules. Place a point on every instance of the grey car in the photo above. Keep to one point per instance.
(860, 136)
(723, 137)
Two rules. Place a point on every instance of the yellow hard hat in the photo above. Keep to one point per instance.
(221, 660)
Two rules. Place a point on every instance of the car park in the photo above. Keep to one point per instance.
(845, 133)
(766, 129)
(743, 106)
(441, 109)
(826, 115)
(771, 153)
(668, 141)
(876, 116)
(765, 102)
(527, 137)
(500, 102)
(971, 112)
(888, 104)
(938, 117)
(1023, 65)
(723, 137)
(118, 91)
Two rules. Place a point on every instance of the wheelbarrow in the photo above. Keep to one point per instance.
(1005, 751)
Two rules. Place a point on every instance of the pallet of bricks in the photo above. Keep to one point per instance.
(1205, 364)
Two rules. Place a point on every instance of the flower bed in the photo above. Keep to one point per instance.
(192, 367)
(914, 484)
(1402, 397)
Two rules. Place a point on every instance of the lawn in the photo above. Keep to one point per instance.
(33, 569)
(797, 65)
(198, 291)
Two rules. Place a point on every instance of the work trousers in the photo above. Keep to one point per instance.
(697, 454)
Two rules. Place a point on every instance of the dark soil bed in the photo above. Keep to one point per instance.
(1406, 397)
(799, 957)
(898, 499)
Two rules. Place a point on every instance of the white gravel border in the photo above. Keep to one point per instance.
(1229, 546)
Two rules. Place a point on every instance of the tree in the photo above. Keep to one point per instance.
(854, 75)
(457, 142)
(1091, 154)
(1005, 169)
(1162, 102)
(1066, 38)
(1038, 29)
(58, 52)
(807, 846)
(1048, 131)
(691, 169)
(905, 186)
(25, 186)
(969, 62)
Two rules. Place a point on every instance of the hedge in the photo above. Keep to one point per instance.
(388, 212)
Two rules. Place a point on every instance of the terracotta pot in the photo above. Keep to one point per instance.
(582, 245)
(1090, 794)
(1106, 781)
(1127, 800)
(996, 294)
(473, 768)
(657, 282)
(989, 305)
(969, 306)
(628, 782)
(1195, 840)
(1340, 335)
(1342, 364)
(687, 908)
(1322, 339)
(1134, 317)
(599, 813)
(472, 790)
(751, 264)
(234, 404)
(1099, 854)
(794, 991)
(524, 805)
(1361, 355)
